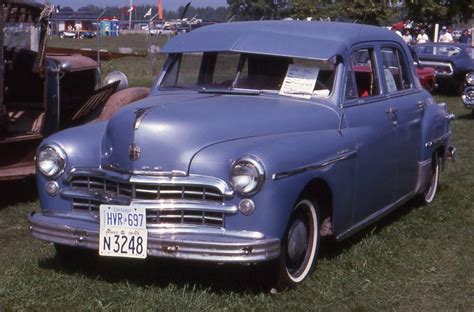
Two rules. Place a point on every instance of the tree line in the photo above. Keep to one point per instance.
(374, 12)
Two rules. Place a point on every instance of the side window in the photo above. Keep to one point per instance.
(362, 76)
(395, 70)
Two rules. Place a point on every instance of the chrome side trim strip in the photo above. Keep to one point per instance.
(374, 217)
(438, 140)
(315, 166)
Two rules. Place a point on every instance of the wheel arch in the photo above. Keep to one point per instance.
(319, 190)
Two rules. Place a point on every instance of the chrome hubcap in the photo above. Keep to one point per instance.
(297, 240)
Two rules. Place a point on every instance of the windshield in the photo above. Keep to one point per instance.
(22, 35)
(240, 71)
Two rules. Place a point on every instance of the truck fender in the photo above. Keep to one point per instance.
(121, 99)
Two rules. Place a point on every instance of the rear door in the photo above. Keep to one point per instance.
(407, 105)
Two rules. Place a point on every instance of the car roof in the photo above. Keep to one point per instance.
(305, 39)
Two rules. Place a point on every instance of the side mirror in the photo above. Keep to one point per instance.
(117, 76)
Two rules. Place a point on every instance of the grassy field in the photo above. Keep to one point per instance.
(418, 258)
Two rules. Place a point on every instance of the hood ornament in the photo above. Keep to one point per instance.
(134, 152)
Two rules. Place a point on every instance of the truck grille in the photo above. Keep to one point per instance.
(140, 191)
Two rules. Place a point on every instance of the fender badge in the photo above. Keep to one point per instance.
(134, 152)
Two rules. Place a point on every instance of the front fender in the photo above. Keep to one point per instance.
(83, 148)
(305, 155)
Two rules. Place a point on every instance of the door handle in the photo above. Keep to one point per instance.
(421, 105)
(392, 114)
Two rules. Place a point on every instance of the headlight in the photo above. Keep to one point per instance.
(470, 78)
(51, 160)
(247, 176)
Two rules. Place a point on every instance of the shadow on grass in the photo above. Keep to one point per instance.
(330, 249)
(468, 116)
(15, 192)
(163, 273)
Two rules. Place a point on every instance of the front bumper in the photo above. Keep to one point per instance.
(187, 243)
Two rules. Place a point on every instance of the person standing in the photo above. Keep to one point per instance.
(407, 37)
(465, 37)
(422, 37)
(445, 35)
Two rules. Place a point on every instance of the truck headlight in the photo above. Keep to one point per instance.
(51, 160)
(470, 78)
(247, 175)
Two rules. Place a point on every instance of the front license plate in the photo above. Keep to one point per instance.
(123, 231)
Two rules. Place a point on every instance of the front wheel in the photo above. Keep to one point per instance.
(430, 193)
(300, 245)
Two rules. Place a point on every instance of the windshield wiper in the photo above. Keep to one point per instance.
(231, 91)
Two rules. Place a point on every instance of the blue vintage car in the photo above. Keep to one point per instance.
(257, 140)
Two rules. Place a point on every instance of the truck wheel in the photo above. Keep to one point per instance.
(299, 248)
(430, 193)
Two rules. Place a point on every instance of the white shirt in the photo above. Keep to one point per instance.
(422, 38)
(446, 37)
(407, 38)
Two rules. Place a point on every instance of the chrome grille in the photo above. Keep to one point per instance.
(146, 191)
(160, 192)
(183, 216)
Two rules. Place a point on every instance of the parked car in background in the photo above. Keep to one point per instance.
(468, 93)
(258, 140)
(42, 93)
(87, 34)
(71, 34)
(452, 61)
(426, 74)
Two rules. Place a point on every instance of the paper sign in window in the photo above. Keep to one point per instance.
(299, 81)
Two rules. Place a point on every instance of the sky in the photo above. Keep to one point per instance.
(167, 4)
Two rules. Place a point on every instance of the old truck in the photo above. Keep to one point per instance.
(43, 93)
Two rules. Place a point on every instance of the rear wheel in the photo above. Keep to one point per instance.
(430, 193)
(300, 245)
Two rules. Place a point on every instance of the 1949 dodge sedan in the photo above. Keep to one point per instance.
(257, 140)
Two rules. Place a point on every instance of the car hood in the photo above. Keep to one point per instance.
(164, 132)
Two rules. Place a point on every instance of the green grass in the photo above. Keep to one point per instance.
(418, 258)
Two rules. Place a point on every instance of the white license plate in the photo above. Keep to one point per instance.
(123, 231)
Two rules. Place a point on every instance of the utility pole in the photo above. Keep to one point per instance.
(130, 11)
